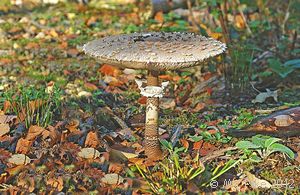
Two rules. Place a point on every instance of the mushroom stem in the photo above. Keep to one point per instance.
(152, 144)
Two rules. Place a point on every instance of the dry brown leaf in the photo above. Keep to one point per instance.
(127, 155)
(200, 106)
(7, 118)
(51, 133)
(184, 143)
(73, 125)
(4, 154)
(142, 100)
(197, 145)
(57, 183)
(167, 103)
(91, 140)
(137, 161)
(32, 45)
(23, 146)
(115, 167)
(90, 86)
(89, 153)
(112, 179)
(53, 33)
(4, 129)
(73, 52)
(239, 22)
(14, 170)
(109, 70)
(257, 183)
(33, 132)
(159, 17)
(283, 120)
(26, 183)
(166, 77)
(19, 159)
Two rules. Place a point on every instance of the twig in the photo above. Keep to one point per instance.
(286, 17)
(217, 154)
(223, 25)
(254, 87)
(189, 5)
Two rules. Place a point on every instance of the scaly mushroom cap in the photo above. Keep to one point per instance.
(154, 50)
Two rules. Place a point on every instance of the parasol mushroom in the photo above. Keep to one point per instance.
(154, 51)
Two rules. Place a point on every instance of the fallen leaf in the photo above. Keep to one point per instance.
(159, 17)
(73, 125)
(261, 97)
(127, 155)
(257, 183)
(7, 118)
(184, 143)
(26, 182)
(197, 145)
(166, 77)
(32, 45)
(33, 132)
(4, 129)
(6, 107)
(14, 170)
(53, 33)
(91, 20)
(200, 106)
(112, 179)
(90, 86)
(142, 100)
(4, 154)
(115, 167)
(283, 120)
(23, 146)
(51, 133)
(73, 52)
(121, 153)
(84, 94)
(216, 35)
(239, 22)
(57, 183)
(206, 148)
(19, 159)
(91, 140)
(109, 70)
(167, 103)
(209, 91)
(89, 153)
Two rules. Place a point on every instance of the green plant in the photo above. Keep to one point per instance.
(283, 70)
(173, 174)
(244, 118)
(34, 106)
(239, 73)
(263, 146)
(206, 136)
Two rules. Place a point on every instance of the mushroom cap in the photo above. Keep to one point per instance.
(154, 50)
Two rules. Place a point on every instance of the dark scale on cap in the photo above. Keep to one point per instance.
(154, 50)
